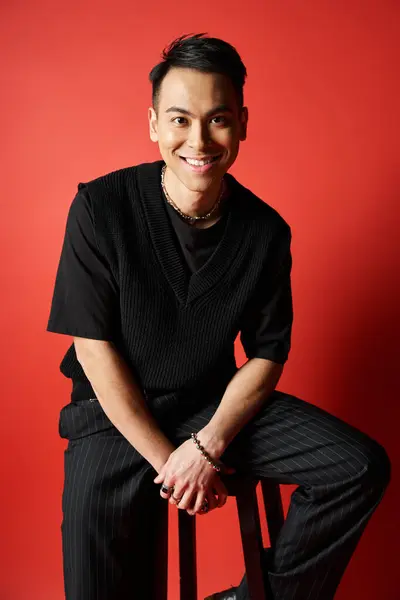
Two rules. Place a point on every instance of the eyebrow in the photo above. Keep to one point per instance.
(213, 111)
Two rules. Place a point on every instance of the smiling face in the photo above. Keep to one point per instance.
(198, 126)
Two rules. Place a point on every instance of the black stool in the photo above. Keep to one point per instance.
(244, 489)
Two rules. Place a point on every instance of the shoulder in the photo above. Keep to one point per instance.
(257, 211)
(80, 209)
(111, 197)
(120, 181)
(110, 181)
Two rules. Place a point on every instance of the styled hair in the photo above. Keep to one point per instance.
(206, 54)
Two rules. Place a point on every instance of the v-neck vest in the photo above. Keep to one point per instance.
(176, 329)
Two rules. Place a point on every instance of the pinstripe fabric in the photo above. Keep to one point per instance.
(110, 502)
(109, 509)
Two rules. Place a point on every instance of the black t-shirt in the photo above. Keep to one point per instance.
(196, 245)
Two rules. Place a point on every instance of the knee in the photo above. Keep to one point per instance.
(377, 465)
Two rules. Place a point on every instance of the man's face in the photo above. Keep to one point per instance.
(198, 117)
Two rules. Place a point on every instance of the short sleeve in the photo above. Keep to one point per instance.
(267, 324)
(85, 298)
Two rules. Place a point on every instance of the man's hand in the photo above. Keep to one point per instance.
(193, 479)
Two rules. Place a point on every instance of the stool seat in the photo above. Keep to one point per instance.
(243, 488)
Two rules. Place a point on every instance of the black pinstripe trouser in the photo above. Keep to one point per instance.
(110, 516)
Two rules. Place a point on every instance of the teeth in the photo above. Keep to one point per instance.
(199, 163)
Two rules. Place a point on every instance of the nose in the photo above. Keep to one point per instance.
(199, 137)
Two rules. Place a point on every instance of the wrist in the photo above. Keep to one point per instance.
(212, 442)
(161, 457)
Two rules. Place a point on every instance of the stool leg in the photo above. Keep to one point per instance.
(273, 508)
(250, 529)
(161, 580)
(187, 556)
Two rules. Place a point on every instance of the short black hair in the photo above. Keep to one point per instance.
(203, 53)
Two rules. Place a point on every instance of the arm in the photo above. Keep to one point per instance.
(122, 400)
(86, 306)
(265, 335)
(244, 396)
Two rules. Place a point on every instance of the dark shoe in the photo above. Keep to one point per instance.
(225, 595)
(234, 593)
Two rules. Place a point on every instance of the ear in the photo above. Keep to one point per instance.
(244, 117)
(153, 124)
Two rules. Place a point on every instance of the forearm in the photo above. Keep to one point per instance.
(245, 394)
(122, 400)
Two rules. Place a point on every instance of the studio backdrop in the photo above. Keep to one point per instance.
(322, 149)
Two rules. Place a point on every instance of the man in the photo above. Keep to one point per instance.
(162, 265)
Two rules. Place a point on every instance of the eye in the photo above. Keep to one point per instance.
(221, 120)
(175, 120)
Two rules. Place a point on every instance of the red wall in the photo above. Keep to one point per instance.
(322, 95)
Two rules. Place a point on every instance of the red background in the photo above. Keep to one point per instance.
(322, 148)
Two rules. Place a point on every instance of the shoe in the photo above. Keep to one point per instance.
(225, 595)
(232, 593)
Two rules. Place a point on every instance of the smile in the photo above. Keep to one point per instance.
(201, 163)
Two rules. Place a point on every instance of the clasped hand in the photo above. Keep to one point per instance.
(193, 480)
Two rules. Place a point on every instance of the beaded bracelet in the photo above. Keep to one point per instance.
(206, 456)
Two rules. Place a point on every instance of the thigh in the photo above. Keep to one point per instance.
(110, 510)
(294, 441)
(301, 442)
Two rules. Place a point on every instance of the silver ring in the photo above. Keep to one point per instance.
(166, 489)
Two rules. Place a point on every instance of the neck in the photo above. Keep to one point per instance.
(194, 204)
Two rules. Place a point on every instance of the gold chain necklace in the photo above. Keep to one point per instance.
(189, 218)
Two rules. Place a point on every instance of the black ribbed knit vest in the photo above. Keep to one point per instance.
(176, 331)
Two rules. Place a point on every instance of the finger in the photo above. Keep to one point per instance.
(160, 476)
(177, 495)
(222, 493)
(166, 490)
(201, 496)
(212, 500)
(208, 504)
(186, 500)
